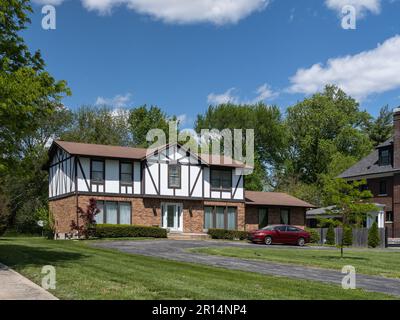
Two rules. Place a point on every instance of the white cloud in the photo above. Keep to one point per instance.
(51, 2)
(360, 75)
(264, 92)
(184, 11)
(226, 97)
(361, 6)
(119, 101)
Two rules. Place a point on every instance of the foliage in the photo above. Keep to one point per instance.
(43, 214)
(330, 236)
(269, 134)
(4, 213)
(228, 234)
(352, 203)
(99, 125)
(143, 119)
(321, 126)
(326, 222)
(347, 235)
(381, 129)
(88, 226)
(314, 235)
(373, 236)
(127, 231)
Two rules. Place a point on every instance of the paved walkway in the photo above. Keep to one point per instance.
(14, 286)
(177, 250)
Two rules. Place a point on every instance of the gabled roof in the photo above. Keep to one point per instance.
(369, 164)
(98, 150)
(107, 151)
(274, 199)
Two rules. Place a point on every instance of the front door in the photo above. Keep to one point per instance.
(172, 216)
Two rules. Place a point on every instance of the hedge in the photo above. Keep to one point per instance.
(227, 234)
(128, 231)
(314, 235)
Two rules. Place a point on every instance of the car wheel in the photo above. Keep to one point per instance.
(268, 240)
(301, 242)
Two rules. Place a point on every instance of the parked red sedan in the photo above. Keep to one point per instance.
(282, 234)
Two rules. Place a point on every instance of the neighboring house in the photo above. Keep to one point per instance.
(381, 169)
(314, 216)
(169, 187)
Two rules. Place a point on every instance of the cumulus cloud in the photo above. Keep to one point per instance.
(51, 2)
(119, 101)
(360, 75)
(264, 92)
(184, 11)
(361, 6)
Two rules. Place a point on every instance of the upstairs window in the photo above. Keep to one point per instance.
(174, 176)
(384, 157)
(221, 179)
(126, 173)
(97, 174)
(382, 188)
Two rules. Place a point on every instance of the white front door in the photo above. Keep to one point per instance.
(172, 218)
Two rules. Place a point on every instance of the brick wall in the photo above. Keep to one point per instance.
(64, 212)
(297, 216)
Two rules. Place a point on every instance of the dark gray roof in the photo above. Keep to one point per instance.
(369, 164)
(387, 143)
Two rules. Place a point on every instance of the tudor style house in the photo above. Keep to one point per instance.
(381, 169)
(169, 187)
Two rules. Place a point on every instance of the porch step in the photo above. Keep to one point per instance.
(188, 236)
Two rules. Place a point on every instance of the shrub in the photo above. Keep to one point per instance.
(87, 228)
(228, 234)
(347, 235)
(373, 236)
(128, 231)
(315, 238)
(330, 236)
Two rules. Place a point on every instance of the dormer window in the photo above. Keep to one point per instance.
(384, 157)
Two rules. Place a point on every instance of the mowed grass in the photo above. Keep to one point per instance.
(85, 272)
(366, 261)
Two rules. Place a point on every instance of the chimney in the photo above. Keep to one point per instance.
(396, 139)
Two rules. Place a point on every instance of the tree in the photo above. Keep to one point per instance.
(330, 236)
(269, 134)
(99, 125)
(143, 119)
(319, 128)
(347, 235)
(27, 91)
(373, 236)
(87, 228)
(381, 129)
(352, 203)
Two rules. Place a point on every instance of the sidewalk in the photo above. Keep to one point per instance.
(14, 286)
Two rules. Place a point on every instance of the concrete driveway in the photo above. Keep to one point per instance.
(177, 250)
(14, 286)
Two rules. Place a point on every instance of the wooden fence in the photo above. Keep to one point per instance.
(360, 236)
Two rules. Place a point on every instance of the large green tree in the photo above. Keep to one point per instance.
(269, 135)
(381, 129)
(143, 119)
(100, 125)
(27, 91)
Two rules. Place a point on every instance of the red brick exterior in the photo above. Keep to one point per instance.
(147, 212)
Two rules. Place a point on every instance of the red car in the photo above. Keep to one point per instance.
(282, 234)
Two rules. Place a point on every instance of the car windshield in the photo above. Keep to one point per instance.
(268, 228)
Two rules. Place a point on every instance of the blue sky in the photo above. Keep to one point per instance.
(185, 57)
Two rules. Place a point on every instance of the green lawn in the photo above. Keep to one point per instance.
(367, 261)
(84, 272)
